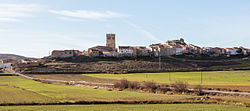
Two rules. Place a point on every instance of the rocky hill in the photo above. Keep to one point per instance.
(121, 65)
(11, 56)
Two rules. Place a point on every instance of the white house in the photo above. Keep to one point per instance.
(5, 65)
(127, 50)
(231, 51)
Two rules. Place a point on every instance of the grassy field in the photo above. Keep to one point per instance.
(125, 107)
(193, 78)
(15, 89)
(5, 72)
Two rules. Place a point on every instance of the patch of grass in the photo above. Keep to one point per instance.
(4, 72)
(15, 89)
(13, 94)
(193, 78)
(125, 107)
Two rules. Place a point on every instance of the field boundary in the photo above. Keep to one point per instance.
(113, 102)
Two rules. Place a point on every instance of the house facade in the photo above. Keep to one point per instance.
(166, 49)
(6, 65)
(127, 51)
(245, 51)
(142, 51)
(191, 49)
(100, 51)
(231, 51)
(65, 53)
(217, 51)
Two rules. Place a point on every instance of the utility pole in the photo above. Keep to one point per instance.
(169, 77)
(159, 62)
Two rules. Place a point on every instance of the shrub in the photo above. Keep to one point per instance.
(180, 87)
(134, 85)
(198, 90)
(164, 89)
(150, 86)
(235, 90)
(125, 84)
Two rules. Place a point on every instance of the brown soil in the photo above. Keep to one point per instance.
(226, 87)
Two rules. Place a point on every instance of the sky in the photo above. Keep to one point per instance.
(34, 28)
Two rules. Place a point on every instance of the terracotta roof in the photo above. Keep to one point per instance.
(155, 45)
(65, 50)
(102, 48)
(228, 48)
(176, 46)
(137, 47)
(124, 47)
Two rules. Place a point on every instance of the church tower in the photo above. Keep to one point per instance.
(110, 41)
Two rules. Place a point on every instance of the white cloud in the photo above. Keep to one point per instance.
(4, 30)
(85, 14)
(70, 19)
(13, 12)
(146, 33)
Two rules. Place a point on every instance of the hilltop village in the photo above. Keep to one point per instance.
(174, 55)
(173, 47)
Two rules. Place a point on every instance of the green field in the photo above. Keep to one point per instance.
(193, 78)
(125, 107)
(15, 89)
(5, 72)
(18, 90)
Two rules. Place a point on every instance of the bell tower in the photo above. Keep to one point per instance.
(110, 41)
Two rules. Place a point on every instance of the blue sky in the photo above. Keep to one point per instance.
(33, 28)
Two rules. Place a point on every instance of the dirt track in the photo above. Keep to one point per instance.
(73, 77)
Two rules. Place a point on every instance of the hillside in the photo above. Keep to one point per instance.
(11, 56)
(83, 64)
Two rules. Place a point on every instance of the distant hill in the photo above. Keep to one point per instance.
(11, 56)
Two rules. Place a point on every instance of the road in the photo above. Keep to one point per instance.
(61, 81)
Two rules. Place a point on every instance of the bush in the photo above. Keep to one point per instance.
(163, 89)
(133, 85)
(198, 90)
(150, 86)
(125, 84)
(180, 87)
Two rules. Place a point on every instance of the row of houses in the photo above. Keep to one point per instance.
(173, 47)
(109, 50)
